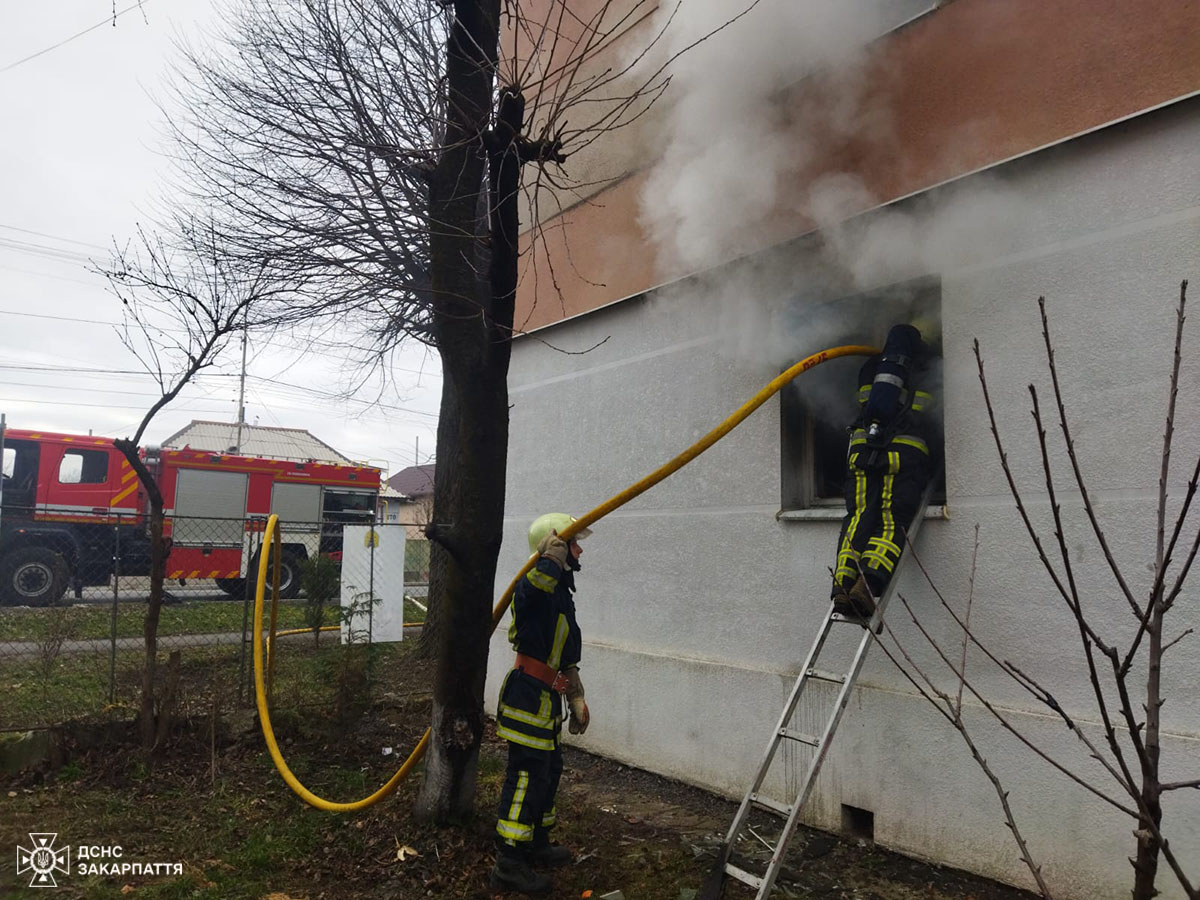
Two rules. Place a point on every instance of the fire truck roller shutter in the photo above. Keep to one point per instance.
(210, 508)
(299, 509)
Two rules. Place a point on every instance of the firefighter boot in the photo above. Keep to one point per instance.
(842, 605)
(860, 598)
(512, 873)
(550, 854)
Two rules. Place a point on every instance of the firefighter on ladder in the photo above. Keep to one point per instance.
(529, 716)
(888, 465)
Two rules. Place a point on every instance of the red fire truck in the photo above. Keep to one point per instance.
(73, 513)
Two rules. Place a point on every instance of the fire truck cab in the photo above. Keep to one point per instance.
(73, 514)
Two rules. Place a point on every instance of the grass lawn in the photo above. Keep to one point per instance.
(94, 621)
(47, 690)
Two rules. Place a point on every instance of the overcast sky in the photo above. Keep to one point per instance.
(83, 160)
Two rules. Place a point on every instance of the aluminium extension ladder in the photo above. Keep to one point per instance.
(808, 672)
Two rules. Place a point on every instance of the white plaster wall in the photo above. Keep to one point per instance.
(697, 605)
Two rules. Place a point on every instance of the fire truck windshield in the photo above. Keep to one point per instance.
(349, 506)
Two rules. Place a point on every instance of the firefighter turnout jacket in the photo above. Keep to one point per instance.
(544, 628)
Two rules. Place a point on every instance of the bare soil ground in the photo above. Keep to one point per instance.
(215, 804)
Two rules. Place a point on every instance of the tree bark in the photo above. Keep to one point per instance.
(472, 427)
(1145, 863)
(147, 717)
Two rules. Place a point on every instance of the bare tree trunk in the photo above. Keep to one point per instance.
(1145, 864)
(147, 720)
(472, 427)
(147, 725)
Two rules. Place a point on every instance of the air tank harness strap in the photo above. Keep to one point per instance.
(535, 668)
(879, 438)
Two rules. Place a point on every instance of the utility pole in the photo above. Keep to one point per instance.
(3, 428)
(241, 420)
(417, 451)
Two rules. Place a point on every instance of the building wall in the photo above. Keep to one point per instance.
(965, 86)
(697, 603)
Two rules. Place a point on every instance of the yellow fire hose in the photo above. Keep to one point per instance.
(272, 537)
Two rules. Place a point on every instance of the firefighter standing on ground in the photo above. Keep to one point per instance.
(529, 716)
(889, 463)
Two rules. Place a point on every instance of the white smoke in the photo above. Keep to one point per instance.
(728, 147)
(963, 225)
(734, 158)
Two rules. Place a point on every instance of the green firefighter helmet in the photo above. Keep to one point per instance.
(931, 331)
(543, 525)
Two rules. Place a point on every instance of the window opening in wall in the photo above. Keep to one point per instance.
(83, 467)
(816, 408)
(858, 823)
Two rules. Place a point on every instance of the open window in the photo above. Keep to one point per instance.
(83, 467)
(21, 459)
(817, 408)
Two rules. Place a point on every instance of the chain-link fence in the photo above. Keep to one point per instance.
(74, 594)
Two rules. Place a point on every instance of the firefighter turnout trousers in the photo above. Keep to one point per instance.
(530, 719)
(883, 492)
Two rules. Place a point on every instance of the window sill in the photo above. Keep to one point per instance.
(837, 513)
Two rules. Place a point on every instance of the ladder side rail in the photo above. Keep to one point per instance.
(860, 657)
(814, 767)
(773, 744)
(843, 698)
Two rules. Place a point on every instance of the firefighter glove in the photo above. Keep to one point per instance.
(554, 548)
(580, 717)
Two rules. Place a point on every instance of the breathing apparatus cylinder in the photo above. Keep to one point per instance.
(887, 399)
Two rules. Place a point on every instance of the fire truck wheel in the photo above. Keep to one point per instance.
(289, 576)
(234, 587)
(33, 576)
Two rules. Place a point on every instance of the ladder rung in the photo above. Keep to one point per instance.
(839, 617)
(798, 736)
(819, 675)
(742, 875)
(771, 805)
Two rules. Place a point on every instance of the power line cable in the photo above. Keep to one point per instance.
(78, 34)
(51, 275)
(107, 405)
(71, 387)
(96, 371)
(340, 398)
(54, 237)
(28, 315)
(153, 328)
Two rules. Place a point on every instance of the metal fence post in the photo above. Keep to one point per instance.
(112, 653)
(371, 585)
(247, 593)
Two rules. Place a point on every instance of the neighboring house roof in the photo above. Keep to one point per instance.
(387, 492)
(415, 481)
(257, 440)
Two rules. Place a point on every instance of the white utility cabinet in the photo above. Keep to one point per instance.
(381, 576)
